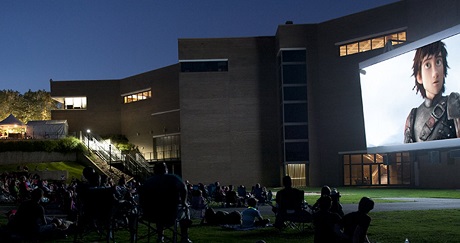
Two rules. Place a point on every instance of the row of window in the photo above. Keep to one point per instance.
(372, 43)
(377, 169)
(204, 66)
(77, 103)
(137, 96)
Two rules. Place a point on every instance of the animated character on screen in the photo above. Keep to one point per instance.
(438, 116)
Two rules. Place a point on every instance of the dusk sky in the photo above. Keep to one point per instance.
(114, 39)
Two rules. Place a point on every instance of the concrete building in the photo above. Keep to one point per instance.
(249, 110)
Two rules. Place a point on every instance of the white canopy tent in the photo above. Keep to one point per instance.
(11, 127)
(47, 129)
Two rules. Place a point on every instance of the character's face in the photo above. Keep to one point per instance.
(431, 75)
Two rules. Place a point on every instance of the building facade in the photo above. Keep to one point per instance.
(250, 110)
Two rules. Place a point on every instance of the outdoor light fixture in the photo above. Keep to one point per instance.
(87, 136)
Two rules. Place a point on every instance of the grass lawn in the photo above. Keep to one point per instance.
(417, 226)
(392, 227)
(353, 194)
(75, 169)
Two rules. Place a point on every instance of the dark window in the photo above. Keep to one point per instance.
(295, 112)
(296, 132)
(294, 74)
(294, 56)
(297, 151)
(204, 66)
(295, 93)
(167, 147)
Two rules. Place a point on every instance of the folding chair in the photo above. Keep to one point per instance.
(149, 220)
(294, 212)
(300, 221)
(198, 207)
(95, 214)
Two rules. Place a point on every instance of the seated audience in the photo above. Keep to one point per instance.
(30, 219)
(94, 202)
(289, 205)
(269, 196)
(325, 191)
(259, 193)
(231, 197)
(222, 217)
(212, 189)
(356, 224)
(241, 191)
(336, 207)
(198, 201)
(160, 198)
(250, 215)
(327, 223)
(219, 194)
(203, 189)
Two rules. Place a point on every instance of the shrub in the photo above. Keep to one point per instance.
(64, 145)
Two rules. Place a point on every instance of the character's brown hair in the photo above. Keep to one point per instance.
(432, 49)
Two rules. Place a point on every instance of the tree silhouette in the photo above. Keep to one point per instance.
(30, 106)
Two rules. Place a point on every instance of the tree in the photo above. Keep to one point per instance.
(32, 105)
(9, 99)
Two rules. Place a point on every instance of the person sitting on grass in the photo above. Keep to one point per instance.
(356, 224)
(325, 192)
(336, 206)
(250, 215)
(30, 220)
(327, 223)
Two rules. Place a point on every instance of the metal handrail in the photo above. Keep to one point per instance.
(135, 164)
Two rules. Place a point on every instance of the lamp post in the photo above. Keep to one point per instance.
(110, 157)
(87, 136)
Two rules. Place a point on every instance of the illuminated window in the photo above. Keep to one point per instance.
(372, 43)
(74, 103)
(365, 46)
(138, 96)
(298, 174)
(377, 169)
(378, 43)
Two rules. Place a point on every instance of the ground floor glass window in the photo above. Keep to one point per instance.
(376, 169)
(297, 172)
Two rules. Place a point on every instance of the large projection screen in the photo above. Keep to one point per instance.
(388, 95)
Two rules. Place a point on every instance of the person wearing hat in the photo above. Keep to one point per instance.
(336, 207)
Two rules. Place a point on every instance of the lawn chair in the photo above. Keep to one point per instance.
(293, 212)
(149, 219)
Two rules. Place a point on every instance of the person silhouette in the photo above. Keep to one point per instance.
(161, 197)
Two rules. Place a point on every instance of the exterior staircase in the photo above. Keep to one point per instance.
(106, 154)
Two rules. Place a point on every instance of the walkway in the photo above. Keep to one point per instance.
(408, 204)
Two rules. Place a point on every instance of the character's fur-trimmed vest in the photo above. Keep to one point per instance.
(437, 127)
